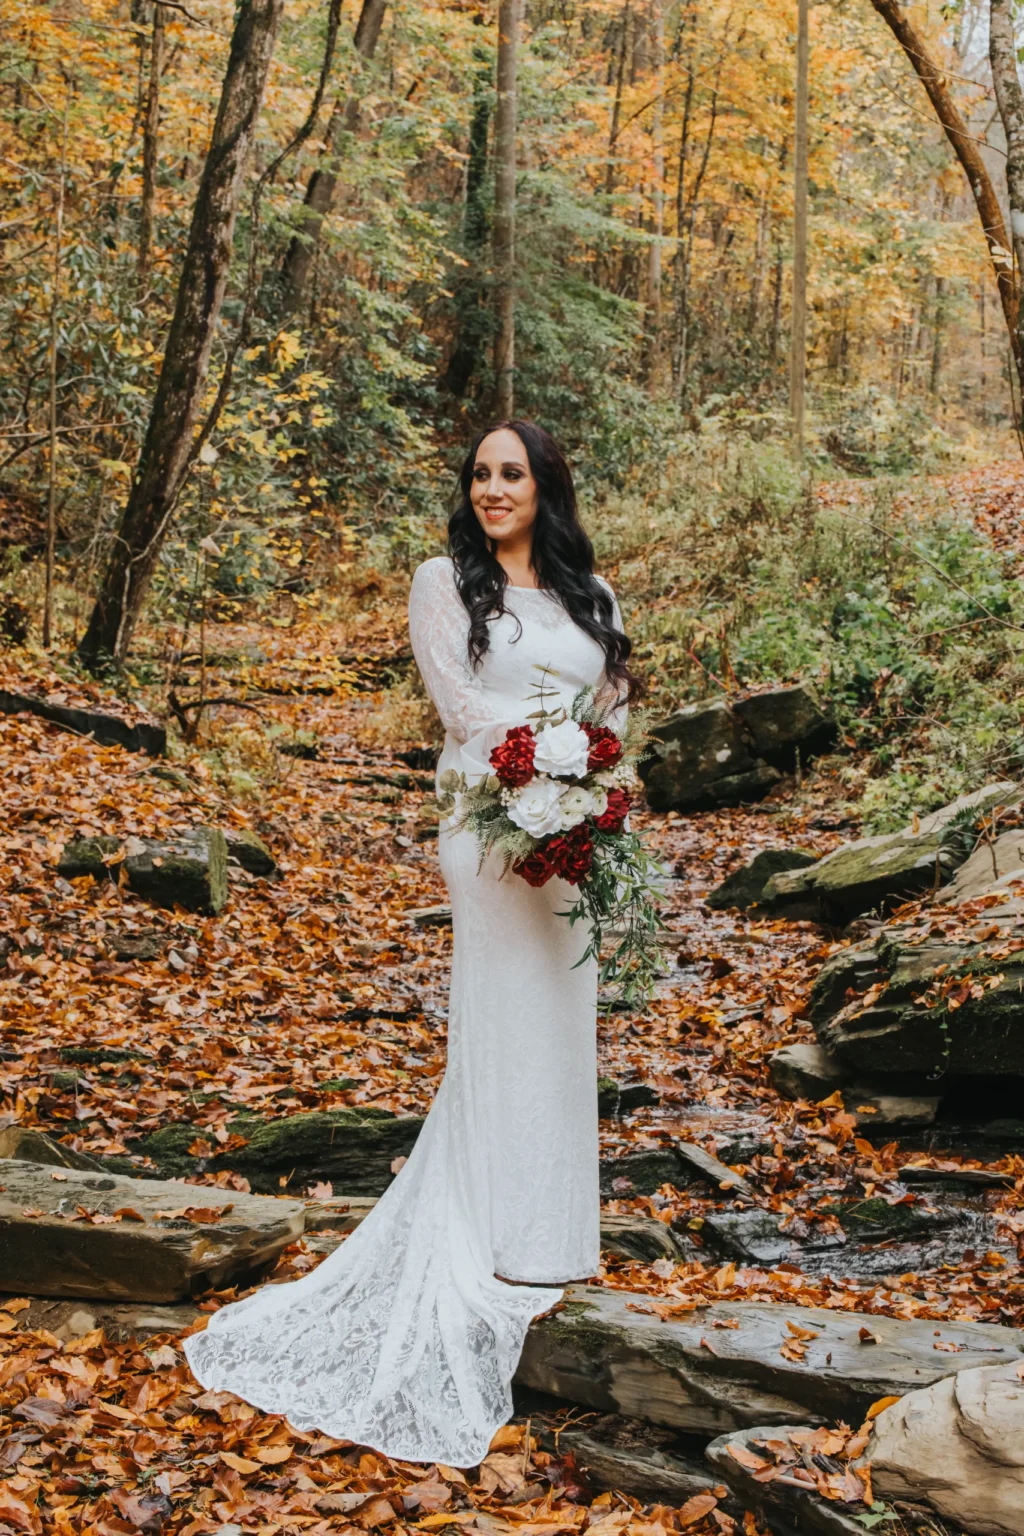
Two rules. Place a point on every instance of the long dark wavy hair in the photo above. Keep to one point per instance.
(563, 557)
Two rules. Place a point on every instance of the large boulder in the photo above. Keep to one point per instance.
(724, 752)
(878, 873)
(913, 1004)
(186, 869)
(957, 1445)
(73, 1233)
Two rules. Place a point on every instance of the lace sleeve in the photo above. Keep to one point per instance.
(607, 696)
(439, 631)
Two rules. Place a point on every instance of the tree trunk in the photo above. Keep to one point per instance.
(1002, 53)
(798, 328)
(505, 211)
(657, 194)
(473, 322)
(163, 461)
(323, 184)
(965, 147)
(51, 498)
(151, 142)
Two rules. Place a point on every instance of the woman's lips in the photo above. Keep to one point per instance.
(496, 512)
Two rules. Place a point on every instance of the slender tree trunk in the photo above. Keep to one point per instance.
(613, 127)
(1002, 53)
(164, 459)
(504, 243)
(964, 146)
(798, 331)
(51, 500)
(938, 326)
(473, 322)
(151, 142)
(657, 192)
(776, 333)
(757, 277)
(323, 184)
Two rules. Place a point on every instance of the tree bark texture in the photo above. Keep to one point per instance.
(658, 190)
(1002, 52)
(505, 211)
(965, 147)
(151, 142)
(798, 323)
(323, 184)
(164, 458)
(474, 323)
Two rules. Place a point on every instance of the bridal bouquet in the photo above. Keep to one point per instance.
(556, 803)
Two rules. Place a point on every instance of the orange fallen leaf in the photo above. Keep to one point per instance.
(880, 1406)
(273, 1455)
(695, 1509)
(239, 1463)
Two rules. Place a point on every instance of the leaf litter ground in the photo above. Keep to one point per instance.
(318, 991)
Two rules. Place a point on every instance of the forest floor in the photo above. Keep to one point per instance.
(319, 991)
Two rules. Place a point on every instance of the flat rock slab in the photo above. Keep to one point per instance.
(786, 1510)
(601, 1351)
(55, 1240)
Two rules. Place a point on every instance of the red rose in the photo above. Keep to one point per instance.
(512, 759)
(605, 748)
(571, 853)
(613, 817)
(536, 869)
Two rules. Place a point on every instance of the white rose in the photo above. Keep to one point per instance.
(536, 808)
(575, 803)
(598, 801)
(562, 749)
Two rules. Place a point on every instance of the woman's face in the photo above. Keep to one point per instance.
(503, 491)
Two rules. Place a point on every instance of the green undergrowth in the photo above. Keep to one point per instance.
(732, 574)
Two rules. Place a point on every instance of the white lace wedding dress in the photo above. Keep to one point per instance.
(405, 1339)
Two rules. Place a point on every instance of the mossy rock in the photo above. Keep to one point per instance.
(250, 851)
(876, 1221)
(744, 887)
(187, 870)
(350, 1148)
(898, 1036)
(88, 856)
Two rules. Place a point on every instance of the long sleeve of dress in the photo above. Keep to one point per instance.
(439, 631)
(607, 694)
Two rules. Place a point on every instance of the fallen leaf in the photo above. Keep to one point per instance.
(880, 1406)
(239, 1463)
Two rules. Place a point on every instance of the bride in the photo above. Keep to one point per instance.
(406, 1339)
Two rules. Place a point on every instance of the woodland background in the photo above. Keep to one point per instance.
(354, 346)
(259, 263)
